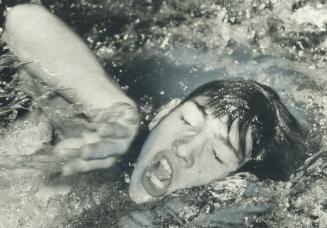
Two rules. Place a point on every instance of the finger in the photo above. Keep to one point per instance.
(80, 165)
(103, 149)
(68, 148)
(70, 143)
(119, 112)
(91, 137)
(113, 130)
(130, 116)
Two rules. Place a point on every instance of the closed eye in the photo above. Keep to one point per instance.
(217, 157)
(185, 121)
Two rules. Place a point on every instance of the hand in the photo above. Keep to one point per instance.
(102, 140)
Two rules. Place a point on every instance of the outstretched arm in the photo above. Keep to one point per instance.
(58, 57)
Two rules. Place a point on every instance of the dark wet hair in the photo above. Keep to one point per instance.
(278, 139)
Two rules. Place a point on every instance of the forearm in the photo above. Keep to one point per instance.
(56, 55)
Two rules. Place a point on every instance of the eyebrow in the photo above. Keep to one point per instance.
(200, 107)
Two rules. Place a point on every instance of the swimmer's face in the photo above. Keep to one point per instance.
(188, 147)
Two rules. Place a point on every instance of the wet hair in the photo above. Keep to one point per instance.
(278, 140)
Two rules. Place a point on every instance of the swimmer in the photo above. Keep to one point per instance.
(220, 128)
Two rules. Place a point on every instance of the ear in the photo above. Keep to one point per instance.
(164, 111)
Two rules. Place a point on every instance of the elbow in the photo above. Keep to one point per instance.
(20, 16)
(24, 27)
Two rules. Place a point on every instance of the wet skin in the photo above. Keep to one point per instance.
(188, 147)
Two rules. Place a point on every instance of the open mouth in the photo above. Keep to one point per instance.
(157, 178)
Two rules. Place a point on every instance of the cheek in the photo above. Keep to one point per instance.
(168, 128)
(207, 168)
(160, 138)
(159, 135)
(210, 168)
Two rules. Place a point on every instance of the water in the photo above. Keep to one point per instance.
(158, 50)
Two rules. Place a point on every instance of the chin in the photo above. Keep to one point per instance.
(137, 191)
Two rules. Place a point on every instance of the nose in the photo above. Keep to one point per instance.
(184, 152)
(185, 155)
